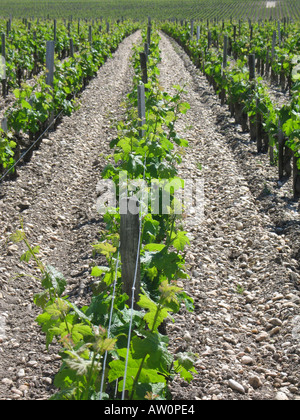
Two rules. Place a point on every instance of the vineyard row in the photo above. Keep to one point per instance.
(38, 103)
(110, 350)
(275, 127)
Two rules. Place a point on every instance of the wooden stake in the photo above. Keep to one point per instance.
(259, 129)
(273, 45)
(3, 75)
(50, 46)
(90, 34)
(198, 33)
(55, 31)
(280, 151)
(130, 247)
(4, 124)
(146, 49)
(208, 39)
(71, 48)
(251, 67)
(296, 178)
(149, 29)
(141, 108)
(225, 51)
(267, 67)
(143, 59)
(192, 28)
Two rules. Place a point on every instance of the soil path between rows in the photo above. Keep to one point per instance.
(245, 282)
(55, 194)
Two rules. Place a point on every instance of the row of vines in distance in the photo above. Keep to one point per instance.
(274, 51)
(157, 9)
(36, 102)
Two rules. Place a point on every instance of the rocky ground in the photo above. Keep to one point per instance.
(243, 259)
(55, 195)
(243, 262)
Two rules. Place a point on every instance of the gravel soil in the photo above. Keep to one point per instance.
(243, 259)
(55, 195)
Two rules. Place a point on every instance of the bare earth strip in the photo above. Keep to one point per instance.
(55, 194)
(243, 277)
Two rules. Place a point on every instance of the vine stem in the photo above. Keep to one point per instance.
(38, 262)
(159, 308)
(169, 240)
(86, 393)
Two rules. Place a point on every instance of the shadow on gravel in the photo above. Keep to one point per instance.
(285, 225)
(93, 221)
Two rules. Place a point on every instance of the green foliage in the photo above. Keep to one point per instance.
(83, 332)
(233, 80)
(148, 156)
(36, 102)
(7, 147)
(158, 9)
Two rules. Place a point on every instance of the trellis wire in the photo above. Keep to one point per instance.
(31, 147)
(131, 316)
(33, 144)
(133, 289)
(109, 324)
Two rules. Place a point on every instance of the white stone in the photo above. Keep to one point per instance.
(246, 360)
(262, 337)
(236, 386)
(239, 225)
(7, 381)
(255, 382)
(276, 322)
(21, 373)
(281, 396)
(187, 337)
